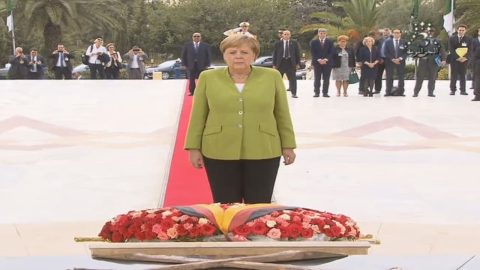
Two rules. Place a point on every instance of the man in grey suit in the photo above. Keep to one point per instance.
(286, 58)
(135, 63)
(195, 59)
(429, 65)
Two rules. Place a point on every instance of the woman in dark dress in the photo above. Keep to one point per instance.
(369, 57)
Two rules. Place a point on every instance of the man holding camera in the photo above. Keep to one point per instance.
(35, 65)
(135, 63)
(97, 56)
(62, 66)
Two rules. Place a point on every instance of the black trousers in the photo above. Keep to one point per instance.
(458, 71)
(427, 68)
(378, 80)
(112, 73)
(97, 68)
(319, 72)
(286, 67)
(62, 73)
(392, 68)
(248, 181)
(192, 76)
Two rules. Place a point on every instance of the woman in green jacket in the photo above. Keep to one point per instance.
(240, 125)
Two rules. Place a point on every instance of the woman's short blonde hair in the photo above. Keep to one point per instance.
(239, 40)
(366, 39)
(342, 37)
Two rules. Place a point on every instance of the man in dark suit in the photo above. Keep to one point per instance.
(458, 65)
(395, 55)
(62, 64)
(473, 50)
(286, 58)
(195, 58)
(381, 65)
(322, 60)
(36, 65)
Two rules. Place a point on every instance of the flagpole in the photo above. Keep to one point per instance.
(13, 33)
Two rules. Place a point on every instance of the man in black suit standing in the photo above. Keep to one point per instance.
(36, 65)
(386, 34)
(395, 55)
(472, 52)
(286, 58)
(195, 58)
(62, 64)
(322, 60)
(458, 65)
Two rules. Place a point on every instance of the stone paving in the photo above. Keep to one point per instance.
(75, 153)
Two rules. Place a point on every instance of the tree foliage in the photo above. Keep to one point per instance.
(162, 27)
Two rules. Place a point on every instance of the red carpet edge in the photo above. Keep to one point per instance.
(186, 185)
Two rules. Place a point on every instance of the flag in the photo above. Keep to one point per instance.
(415, 7)
(448, 18)
(10, 23)
(10, 7)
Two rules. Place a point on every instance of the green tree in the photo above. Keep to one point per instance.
(52, 18)
(467, 13)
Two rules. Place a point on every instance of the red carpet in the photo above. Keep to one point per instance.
(186, 185)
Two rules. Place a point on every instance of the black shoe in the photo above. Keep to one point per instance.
(294, 96)
(415, 95)
(325, 95)
(452, 93)
(387, 95)
(431, 95)
(316, 95)
(376, 92)
(402, 95)
(370, 94)
(288, 89)
(464, 93)
(477, 98)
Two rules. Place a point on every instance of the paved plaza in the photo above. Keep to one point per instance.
(75, 153)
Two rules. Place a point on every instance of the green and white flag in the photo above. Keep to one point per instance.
(10, 6)
(448, 18)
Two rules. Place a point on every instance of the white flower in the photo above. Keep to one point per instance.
(166, 213)
(284, 217)
(202, 221)
(271, 223)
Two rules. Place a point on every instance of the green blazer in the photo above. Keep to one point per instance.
(230, 125)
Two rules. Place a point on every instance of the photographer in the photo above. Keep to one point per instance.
(19, 65)
(35, 65)
(135, 63)
(112, 68)
(62, 66)
(97, 56)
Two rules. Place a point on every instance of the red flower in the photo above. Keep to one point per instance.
(117, 237)
(242, 230)
(259, 228)
(294, 230)
(307, 233)
(208, 230)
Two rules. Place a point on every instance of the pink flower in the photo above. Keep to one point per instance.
(162, 236)
(187, 226)
(157, 228)
(172, 232)
(274, 233)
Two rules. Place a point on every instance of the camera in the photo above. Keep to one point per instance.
(136, 50)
